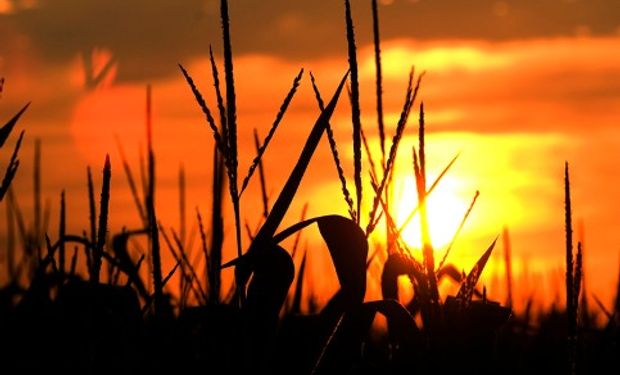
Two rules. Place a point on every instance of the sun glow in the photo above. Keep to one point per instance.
(445, 210)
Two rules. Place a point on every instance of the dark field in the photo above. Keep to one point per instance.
(102, 302)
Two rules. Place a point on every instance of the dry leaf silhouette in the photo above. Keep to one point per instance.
(348, 248)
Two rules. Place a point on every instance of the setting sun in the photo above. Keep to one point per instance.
(445, 212)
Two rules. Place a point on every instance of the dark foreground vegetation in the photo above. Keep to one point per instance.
(100, 302)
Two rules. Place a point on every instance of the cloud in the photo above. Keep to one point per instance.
(149, 37)
(549, 84)
(146, 37)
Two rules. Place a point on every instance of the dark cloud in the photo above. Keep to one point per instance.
(148, 37)
(143, 35)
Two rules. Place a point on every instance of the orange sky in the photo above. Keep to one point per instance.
(516, 104)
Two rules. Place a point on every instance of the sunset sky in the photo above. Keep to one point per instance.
(518, 87)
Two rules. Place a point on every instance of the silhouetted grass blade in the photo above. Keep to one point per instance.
(102, 229)
(334, 149)
(7, 128)
(571, 307)
(219, 141)
(62, 223)
(578, 275)
(272, 131)
(11, 169)
(508, 266)
(231, 101)
(469, 284)
(121, 253)
(355, 106)
(261, 175)
(290, 188)
(379, 78)
(217, 224)
(36, 185)
(92, 218)
(304, 211)
(218, 95)
(296, 305)
(400, 128)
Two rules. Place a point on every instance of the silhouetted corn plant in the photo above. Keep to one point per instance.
(102, 229)
(508, 266)
(334, 149)
(261, 175)
(573, 276)
(355, 106)
(379, 78)
(272, 130)
(11, 169)
(226, 138)
(462, 327)
(62, 224)
(267, 231)
(400, 128)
